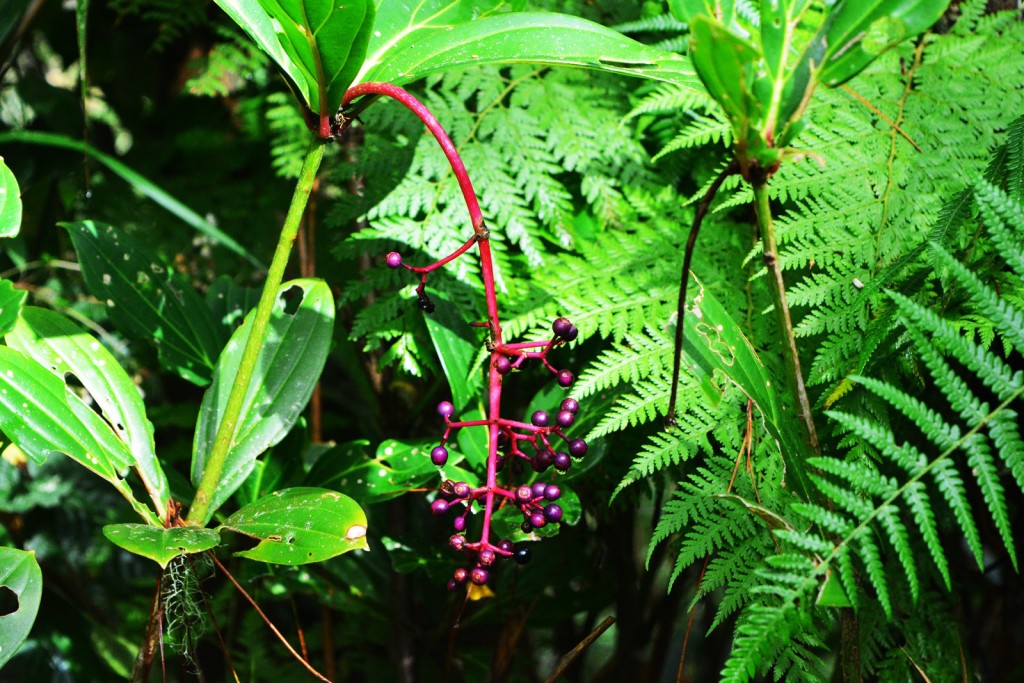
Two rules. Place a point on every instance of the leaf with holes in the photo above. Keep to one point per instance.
(159, 544)
(10, 202)
(11, 300)
(318, 44)
(146, 301)
(290, 361)
(19, 573)
(521, 37)
(300, 525)
(60, 345)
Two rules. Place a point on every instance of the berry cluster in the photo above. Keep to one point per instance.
(512, 443)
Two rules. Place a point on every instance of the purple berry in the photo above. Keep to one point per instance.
(453, 585)
(571, 334)
(561, 327)
(571, 404)
(439, 506)
(462, 490)
(540, 419)
(538, 520)
(577, 448)
(487, 555)
(506, 545)
(459, 523)
(460, 575)
(552, 492)
(457, 542)
(439, 456)
(562, 461)
(499, 464)
(522, 555)
(553, 513)
(564, 378)
(478, 576)
(538, 489)
(524, 494)
(545, 458)
(445, 409)
(526, 526)
(425, 304)
(565, 418)
(394, 259)
(502, 364)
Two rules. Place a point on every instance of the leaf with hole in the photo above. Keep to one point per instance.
(159, 544)
(289, 364)
(300, 525)
(147, 301)
(10, 202)
(65, 349)
(19, 574)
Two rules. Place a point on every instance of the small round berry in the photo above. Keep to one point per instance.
(439, 506)
(538, 520)
(540, 419)
(502, 364)
(445, 409)
(425, 304)
(564, 378)
(499, 464)
(565, 418)
(524, 494)
(462, 490)
(577, 448)
(526, 526)
(461, 575)
(478, 576)
(571, 334)
(394, 259)
(439, 456)
(562, 461)
(571, 404)
(487, 557)
(545, 458)
(561, 327)
(459, 523)
(552, 492)
(506, 545)
(553, 513)
(453, 585)
(457, 542)
(538, 489)
(522, 555)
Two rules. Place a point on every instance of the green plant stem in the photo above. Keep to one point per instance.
(200, 512)
(794, 377)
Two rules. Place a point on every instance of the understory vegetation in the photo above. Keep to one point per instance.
(871, 537)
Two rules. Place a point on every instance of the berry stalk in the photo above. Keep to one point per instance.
(537, 502)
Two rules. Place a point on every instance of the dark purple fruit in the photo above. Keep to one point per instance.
(445, 409)
(570, 404)
(562, 461)
(502, 364)
(564, 378)
(552, 492)
(439, 506)
(439, 456)
(561, 327)
(577, 448)
(478, 576)
(540, 419)
(565, 419)
(522, 555)
(457, 542)
(524, 494)
(393, 259)
(553, 513)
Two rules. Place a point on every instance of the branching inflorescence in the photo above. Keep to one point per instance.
(540, 442)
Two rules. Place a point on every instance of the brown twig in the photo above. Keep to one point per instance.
(572, 655)
(266, 620)
(875, 109)
(691, 242)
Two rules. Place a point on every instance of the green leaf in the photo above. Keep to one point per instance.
(19, 573)
(291, 359)
(725, 62)
(138, 182)
(42, 415)
(300, 525)
(147, 301)
(858, 31)
(521, 37)
(60, 345)
(10, 202)
(686, 10)
(11, 301)
(319, 44)
(456, 346)
(159, 544)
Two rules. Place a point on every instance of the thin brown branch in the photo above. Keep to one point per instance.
(882, 116)
(266, 620)
(567, 660)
